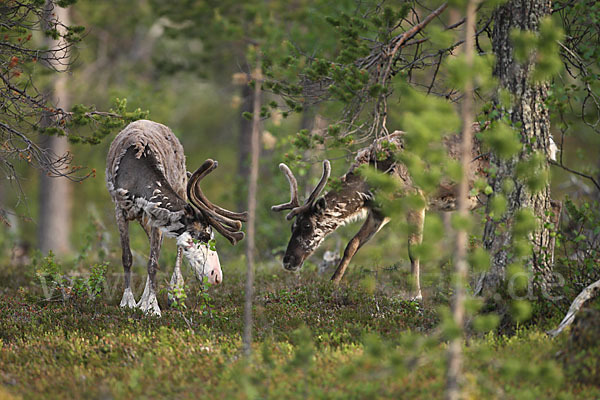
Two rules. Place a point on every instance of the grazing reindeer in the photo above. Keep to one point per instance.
(319, 216)
(147, 180)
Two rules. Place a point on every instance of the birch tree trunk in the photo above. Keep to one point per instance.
(251, 225)
(54, 221)
(529, 113)
(455, 358)
(244, 144)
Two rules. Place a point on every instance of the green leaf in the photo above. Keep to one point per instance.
(502, 139)
(486, 323)
(520, 310)
(525, 222)
(479, 259)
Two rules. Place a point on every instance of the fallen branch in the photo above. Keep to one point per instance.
(584, 296)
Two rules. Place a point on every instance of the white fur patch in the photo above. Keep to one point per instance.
(330, 223)
(365, 196)
(203, 260)
(357, 216)
(553, 149)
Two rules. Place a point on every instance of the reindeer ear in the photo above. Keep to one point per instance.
(320, 205)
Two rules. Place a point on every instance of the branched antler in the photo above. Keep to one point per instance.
(227, 223)
(294, 204)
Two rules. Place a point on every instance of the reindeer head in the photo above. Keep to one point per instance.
(203, 260)
(308, 229)
(199, 221)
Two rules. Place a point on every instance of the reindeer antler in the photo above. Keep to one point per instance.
(226, 222)
(294, 204)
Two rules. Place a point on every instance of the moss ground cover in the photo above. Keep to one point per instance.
(312, 340)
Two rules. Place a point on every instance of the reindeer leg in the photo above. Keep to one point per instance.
(127, 300)
(176, 284)
(416, 219)
(148, 303)
(371, 226)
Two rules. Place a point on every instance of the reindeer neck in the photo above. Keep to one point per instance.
(348, 203)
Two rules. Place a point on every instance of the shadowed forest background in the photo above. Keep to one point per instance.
(326, 93)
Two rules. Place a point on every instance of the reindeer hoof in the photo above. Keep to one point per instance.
(418, 298)
(128, 300)
(149, 305)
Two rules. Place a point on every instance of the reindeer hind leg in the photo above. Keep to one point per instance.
(128, 299)
(148, 303)
(416, 219)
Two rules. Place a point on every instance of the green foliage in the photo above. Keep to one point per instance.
(212, 244)
(103, 122)
(28, 106)
(525, 222)
(486, 323)
(524, 44)
(65, 3)
(520, 310)
(204, 303)
(534, 171)
(378, 180)
(91, 286)
(548, 63)
(462, 222)
(360, 343)
(51, 278)
(304, 349)
(498, 206)
(426, 120)
(177, 296)
(479, 260)
(502, 139)
(480, 73)
(577, 250)
(541, 48)
(580, 356)
(448, 326)
(49, 274)
(517, 278)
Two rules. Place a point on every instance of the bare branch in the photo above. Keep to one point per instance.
(587, 293)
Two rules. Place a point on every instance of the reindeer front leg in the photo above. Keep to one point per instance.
(148, 303)
(371, 226)
(416, 219)
(127, 300)
(176, 284)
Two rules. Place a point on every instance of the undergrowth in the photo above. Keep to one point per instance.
(311, 340)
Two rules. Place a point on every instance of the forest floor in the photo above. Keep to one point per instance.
(311, 340)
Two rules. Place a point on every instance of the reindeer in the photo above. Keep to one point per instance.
(318, 216)
(148, 182)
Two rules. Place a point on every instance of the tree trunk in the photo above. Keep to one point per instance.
(252, 193)
(455, 356)
(54, 221)
(530, 113)
(244, 146)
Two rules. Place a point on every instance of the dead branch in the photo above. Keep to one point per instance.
(587, 293)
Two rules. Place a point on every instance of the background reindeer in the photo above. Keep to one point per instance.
(147, 180)
(353, 200)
